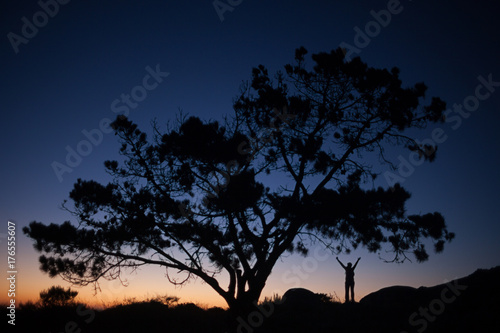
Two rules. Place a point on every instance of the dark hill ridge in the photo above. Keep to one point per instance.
(477, 284)
(468, 304)
(461, 305)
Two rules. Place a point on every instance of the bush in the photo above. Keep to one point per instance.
(57, 296)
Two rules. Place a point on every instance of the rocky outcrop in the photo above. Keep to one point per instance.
(301, 298)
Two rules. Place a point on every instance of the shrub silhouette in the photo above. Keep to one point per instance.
(57, 296)
(476, 305)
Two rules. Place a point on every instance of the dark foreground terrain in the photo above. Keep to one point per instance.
(469, 304)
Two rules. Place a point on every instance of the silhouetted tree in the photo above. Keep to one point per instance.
(199, 198)
(57, 296)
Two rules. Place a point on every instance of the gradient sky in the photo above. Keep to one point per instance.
(64, 79)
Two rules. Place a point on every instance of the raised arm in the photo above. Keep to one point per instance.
(340, 262)
(353, 267)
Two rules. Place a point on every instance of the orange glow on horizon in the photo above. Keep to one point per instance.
(319, 272)
(149, 283)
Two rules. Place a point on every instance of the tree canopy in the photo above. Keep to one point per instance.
(197, 198)
(57, 296)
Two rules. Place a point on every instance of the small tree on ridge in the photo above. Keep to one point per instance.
(57, 296)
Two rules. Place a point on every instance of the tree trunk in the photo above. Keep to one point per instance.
(245, 314)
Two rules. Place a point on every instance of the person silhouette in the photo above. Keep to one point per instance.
(349, 278)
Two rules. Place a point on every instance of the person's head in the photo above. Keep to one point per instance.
(349, 264)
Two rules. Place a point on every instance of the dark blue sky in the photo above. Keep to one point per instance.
(64, 79)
